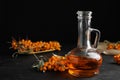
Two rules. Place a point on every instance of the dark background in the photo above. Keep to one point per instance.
(55, 20)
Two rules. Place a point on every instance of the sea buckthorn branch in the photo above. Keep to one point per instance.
(55, 63)
(27, 46)
(115, 46)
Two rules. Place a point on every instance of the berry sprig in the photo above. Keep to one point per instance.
(27, 46)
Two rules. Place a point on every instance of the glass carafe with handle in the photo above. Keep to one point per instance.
(85, 60)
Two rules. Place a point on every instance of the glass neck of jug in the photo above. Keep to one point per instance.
(84, 20)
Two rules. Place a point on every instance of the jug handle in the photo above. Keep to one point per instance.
(97, 38)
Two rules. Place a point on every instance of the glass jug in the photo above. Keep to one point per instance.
(85, 60)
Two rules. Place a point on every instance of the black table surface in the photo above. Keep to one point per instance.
(20, 68)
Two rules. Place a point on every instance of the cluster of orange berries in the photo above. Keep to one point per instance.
(27, 45)
(113, 46)
(56, 63)
(117, 58)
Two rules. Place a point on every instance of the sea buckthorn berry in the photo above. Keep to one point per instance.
(117, 58)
